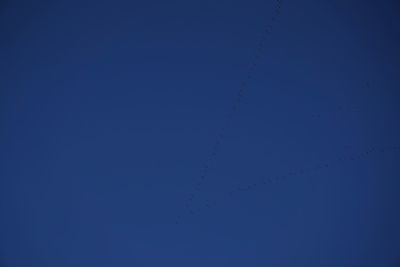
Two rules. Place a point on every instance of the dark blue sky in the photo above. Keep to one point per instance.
(199, 133)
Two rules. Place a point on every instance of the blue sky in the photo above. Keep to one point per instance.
(199, 133)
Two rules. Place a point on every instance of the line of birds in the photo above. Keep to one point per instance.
(235, 107)
(290, 174)
(190, 207)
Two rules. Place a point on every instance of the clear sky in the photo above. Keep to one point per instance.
(199, 133)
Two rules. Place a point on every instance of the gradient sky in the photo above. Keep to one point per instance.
(110, 112)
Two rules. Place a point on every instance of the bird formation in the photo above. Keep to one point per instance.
(243, 87)
(336, 162)
(191, 209)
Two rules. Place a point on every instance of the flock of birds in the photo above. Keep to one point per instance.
(337, 161)
(243, 87)
(191, 209)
